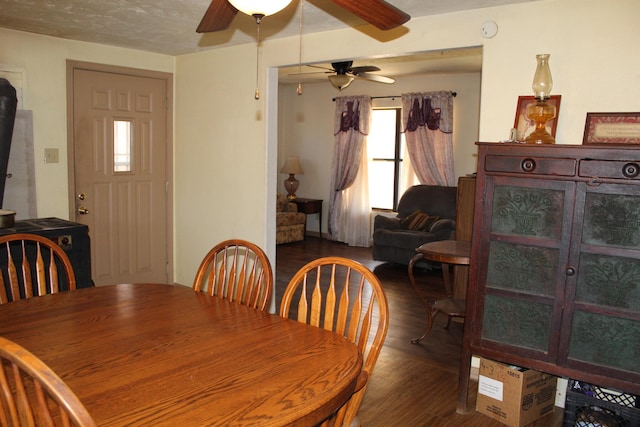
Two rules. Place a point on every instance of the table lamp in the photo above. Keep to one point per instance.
(292, 167)
(541, 112)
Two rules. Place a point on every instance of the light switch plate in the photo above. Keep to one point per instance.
(51, 155)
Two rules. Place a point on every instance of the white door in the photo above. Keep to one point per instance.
(121, 185)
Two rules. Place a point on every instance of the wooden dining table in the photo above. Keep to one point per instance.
(155, 354)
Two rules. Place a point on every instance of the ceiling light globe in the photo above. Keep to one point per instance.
(340, 81)
(260, 7)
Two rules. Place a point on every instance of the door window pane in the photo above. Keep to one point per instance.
(121, 146)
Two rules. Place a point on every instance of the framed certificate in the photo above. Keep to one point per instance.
(612, 128)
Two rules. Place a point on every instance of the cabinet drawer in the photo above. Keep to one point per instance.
(530, 165)
(620, 169)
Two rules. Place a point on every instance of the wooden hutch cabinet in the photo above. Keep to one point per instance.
(554, 281)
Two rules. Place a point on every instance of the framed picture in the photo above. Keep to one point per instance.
(612, 128)
(524, 126)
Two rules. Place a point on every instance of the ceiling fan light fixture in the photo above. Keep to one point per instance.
(260, 7)
(340, 81)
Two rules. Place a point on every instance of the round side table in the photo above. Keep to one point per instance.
(448, 253)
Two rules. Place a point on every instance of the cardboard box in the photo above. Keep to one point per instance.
(514, 396)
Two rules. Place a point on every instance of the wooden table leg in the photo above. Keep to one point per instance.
(448, 282)
(462, 406)
(425, 303)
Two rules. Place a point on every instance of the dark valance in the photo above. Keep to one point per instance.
(352, 113)
(431, 109)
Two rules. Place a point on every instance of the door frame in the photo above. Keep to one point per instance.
(73, 65)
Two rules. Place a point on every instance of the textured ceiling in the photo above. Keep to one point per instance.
(168, 26)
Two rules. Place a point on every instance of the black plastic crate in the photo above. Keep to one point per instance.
(589, 405)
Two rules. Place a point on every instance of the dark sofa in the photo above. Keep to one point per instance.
(394, 241)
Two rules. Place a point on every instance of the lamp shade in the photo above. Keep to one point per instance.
(292, 166)
(260, 7)
(340, 81)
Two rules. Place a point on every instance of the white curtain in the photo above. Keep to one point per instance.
(349, 207)
(408, 177)
(427, 120)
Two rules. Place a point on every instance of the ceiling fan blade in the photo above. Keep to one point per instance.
(364, 69)
(328, 70)
(376, 12)
(217, 17)
(308, 73)
(375, 78)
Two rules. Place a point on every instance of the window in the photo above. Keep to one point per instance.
(121, 146)
(385, 148)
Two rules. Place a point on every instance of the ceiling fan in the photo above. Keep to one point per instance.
(220, 13)
(345, 74)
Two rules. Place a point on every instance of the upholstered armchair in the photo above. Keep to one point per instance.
(290, 224)
(426, 213)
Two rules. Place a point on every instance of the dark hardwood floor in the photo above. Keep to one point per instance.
(412, 384)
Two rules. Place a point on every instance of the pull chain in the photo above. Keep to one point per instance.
(258, 19)
(299, 89)
(257, 95)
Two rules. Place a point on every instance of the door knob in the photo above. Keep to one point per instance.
(82, 210)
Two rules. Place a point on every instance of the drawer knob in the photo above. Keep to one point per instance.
(571, 271)
(528, 165)
(631, 170)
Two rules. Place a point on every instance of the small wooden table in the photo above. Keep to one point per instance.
(448, 253)
(153, 354)
(310, 206)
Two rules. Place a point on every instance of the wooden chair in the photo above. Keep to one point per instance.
(342, 295)
(32, 265)
(236, 270)
(33, 395)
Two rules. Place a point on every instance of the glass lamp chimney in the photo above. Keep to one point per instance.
(542, 81)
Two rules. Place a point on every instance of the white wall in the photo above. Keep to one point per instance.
(594, 67)
(42, 60)
(306, 126)
(220, 154)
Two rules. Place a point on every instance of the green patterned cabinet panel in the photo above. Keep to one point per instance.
(527, 211)
(612, 219)
(527, 237)
(554, 279)
(605, 328)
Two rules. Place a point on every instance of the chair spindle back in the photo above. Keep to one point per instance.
(236, 270)
(343, 296)
(31, 394)
(32, 265)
